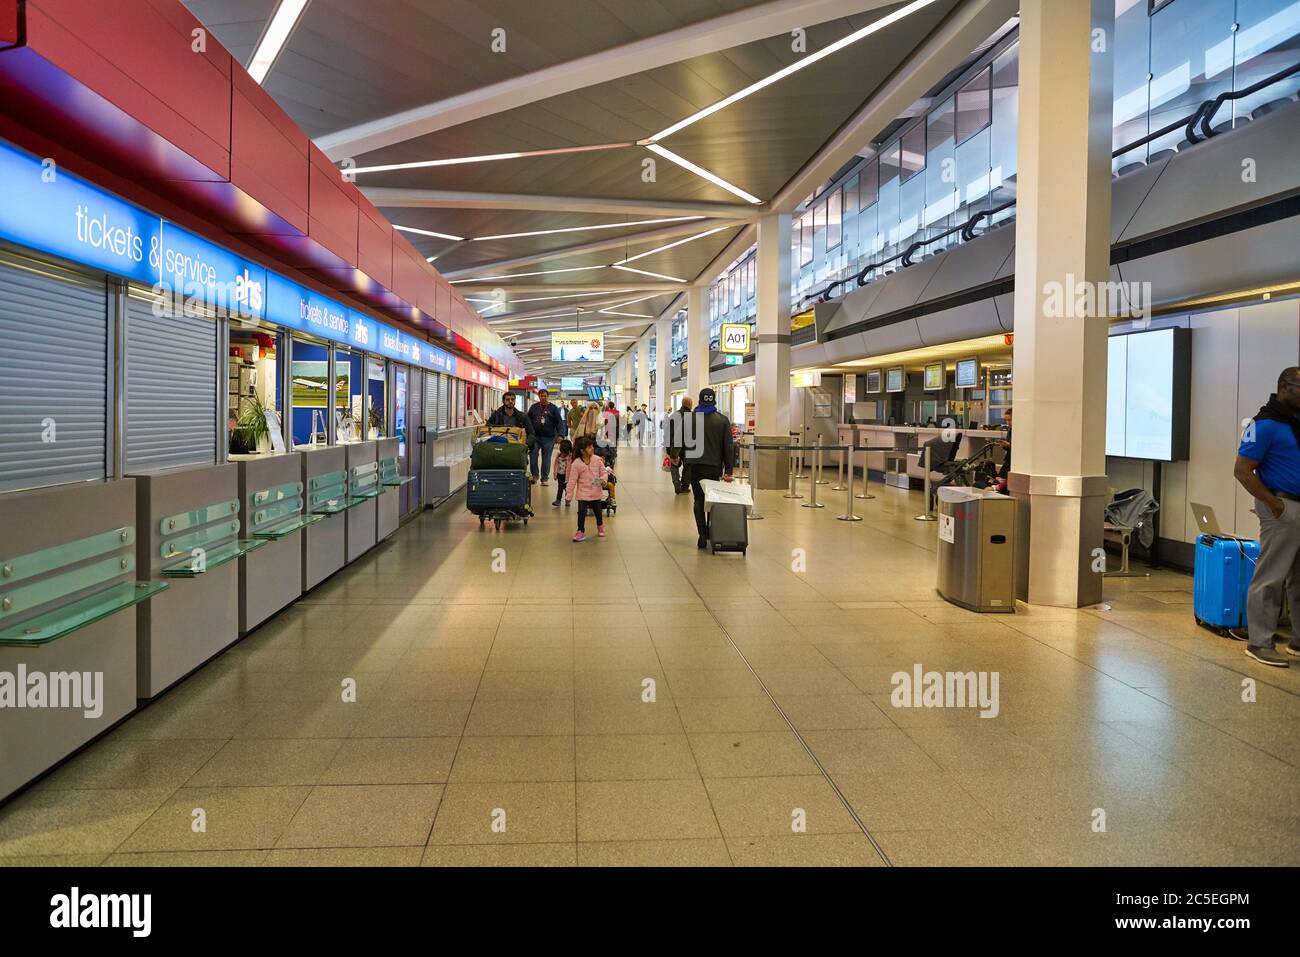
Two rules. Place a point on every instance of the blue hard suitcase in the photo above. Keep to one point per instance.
(497, 490)
(1223, 570)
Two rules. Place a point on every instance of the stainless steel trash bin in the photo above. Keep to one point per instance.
(977, 549)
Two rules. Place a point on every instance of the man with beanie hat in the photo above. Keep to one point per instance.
(706, 448)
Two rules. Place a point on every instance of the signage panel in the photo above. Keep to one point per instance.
(577, 346)
(198, 269)
(735, 338)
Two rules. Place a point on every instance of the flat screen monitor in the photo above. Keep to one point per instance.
(873, 380)
(572, 383)
(968, 374)
(577, 346)
(933, 380)
(1148, 395)
(894, 379)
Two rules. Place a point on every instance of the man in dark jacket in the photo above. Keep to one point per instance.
(509, 415)
(674, 430)
(707, 450)
(547, 425)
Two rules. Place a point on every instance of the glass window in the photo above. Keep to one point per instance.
(833, 207)
(310, 368)
(1132, 84)
(868, 184)
(912, 157)
(973, 106)
(819, 229)
(376, 398)
(805, 240)
(1006, 106)
(1267, 40)
(889, 161)
(940, 166)
(1191, 61)
(851, 195)
(254, 383)
(752, 271)
(735, 288)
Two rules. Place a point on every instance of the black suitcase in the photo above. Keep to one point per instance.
(728, 528)
(488, 489)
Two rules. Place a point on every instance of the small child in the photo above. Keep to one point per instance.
(561, 466)
(586, 480)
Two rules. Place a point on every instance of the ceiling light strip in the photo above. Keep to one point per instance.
(795, 67)
(276, 35)
(656, 275)
(703, 173)
(429, 232)
(580, 229)
(486, 158)
(680, 242)
(520, 275)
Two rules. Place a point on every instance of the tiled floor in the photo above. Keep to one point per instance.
(635, 701)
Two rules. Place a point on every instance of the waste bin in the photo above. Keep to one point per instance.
(977, 549)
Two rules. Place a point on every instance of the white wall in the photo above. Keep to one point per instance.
(1236, 357)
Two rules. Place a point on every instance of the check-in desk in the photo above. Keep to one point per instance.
(190, 532)
(274, 507)
(912, 438)
(363, 490)
(388, 506)
(69, 601)
(325, 484)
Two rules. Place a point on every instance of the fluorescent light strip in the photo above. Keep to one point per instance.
(630, 302)
(795, 67)
(486, 158)
(630, 315)
(428, 232)
(273, 40)
(579, 229)
(520, 275)
(680, 242)
(576, 295)
(656, 275)
(703, 173)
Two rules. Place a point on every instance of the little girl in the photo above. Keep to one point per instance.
(586, 480)
(562, 456)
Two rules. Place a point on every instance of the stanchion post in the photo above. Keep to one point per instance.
(751, 514)
(817, 470)
(927, 515)
(848, 515)
(794, 475)
(839, 480)
(864, 494)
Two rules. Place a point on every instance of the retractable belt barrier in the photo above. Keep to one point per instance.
(792, 448)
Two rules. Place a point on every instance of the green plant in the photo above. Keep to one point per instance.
(252, 420)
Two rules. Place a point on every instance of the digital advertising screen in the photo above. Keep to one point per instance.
(577, 346)
(1148, 396)
(572, 383)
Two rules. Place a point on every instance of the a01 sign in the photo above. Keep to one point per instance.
(735, 338)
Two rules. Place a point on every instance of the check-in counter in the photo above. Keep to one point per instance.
(388, 507)
(325, 483)
(363, 490)
(69, 602)
(911, 438)
(274, 506)
(446, 463)
(190, 532)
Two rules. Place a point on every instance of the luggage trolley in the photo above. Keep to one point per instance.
(498, 486)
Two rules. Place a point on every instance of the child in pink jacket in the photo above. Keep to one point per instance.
(586, 481)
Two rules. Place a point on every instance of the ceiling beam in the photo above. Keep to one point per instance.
(393, 196)
(595, 246)
(698, 39)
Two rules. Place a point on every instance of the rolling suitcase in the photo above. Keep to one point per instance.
(1222, 573)
(496, 489)
(728, 528)
(498, 455)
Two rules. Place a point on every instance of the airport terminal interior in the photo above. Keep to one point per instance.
(679, 433)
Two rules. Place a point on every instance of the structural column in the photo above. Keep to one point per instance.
(1062, 249)
(663, 369)
(643, 367)
(772, 373)
(697, 341)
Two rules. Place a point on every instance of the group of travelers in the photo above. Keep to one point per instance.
(578, 444)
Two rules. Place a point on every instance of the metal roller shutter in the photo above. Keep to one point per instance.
(431, 401)
(171, 388)
(53, 377)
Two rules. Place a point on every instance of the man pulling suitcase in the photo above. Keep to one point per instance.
(707, 450)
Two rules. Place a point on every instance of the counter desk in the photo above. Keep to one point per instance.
(325, 485)
(271, 494)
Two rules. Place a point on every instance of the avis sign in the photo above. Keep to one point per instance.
(735, 338)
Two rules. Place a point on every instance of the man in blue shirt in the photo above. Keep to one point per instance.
(547, 424)
(1268, 467)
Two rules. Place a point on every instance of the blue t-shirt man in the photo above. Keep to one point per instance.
(1273, 445)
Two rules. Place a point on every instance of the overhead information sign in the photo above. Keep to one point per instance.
(577, 346)
(735, 338)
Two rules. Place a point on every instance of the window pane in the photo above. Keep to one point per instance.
(889, 164)
(753, 276)
(1006, 106)
(1191, 61)
(868, 184)
(1132, 88)
(851, 196)
(940, 170)
(973, 106)
(912, 159)
(833, 220)
(1267, 40)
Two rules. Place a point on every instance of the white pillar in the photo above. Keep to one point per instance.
(643, 367)
(663, 363)
(772, 363)
(697, 341)
(1062, 247)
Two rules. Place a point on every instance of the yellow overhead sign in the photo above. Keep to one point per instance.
(734, 337)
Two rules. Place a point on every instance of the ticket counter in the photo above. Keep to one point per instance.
(363, 491)
(271, 497)
(325, 484)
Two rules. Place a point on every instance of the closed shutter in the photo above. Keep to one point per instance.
(53, 377)
(171, 388)
(444, 401)
(431, 392)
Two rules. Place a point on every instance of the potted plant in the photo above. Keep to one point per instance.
(252, 423)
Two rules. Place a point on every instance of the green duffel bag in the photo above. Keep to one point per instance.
(499, 455)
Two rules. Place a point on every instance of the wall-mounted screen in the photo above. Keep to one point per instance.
(572, 383)
(1148, 395)
(933, 378)
(577, 346)
(968, 373)
(894, 379)
(873, 380)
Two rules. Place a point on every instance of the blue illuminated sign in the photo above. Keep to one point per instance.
(55, 212)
